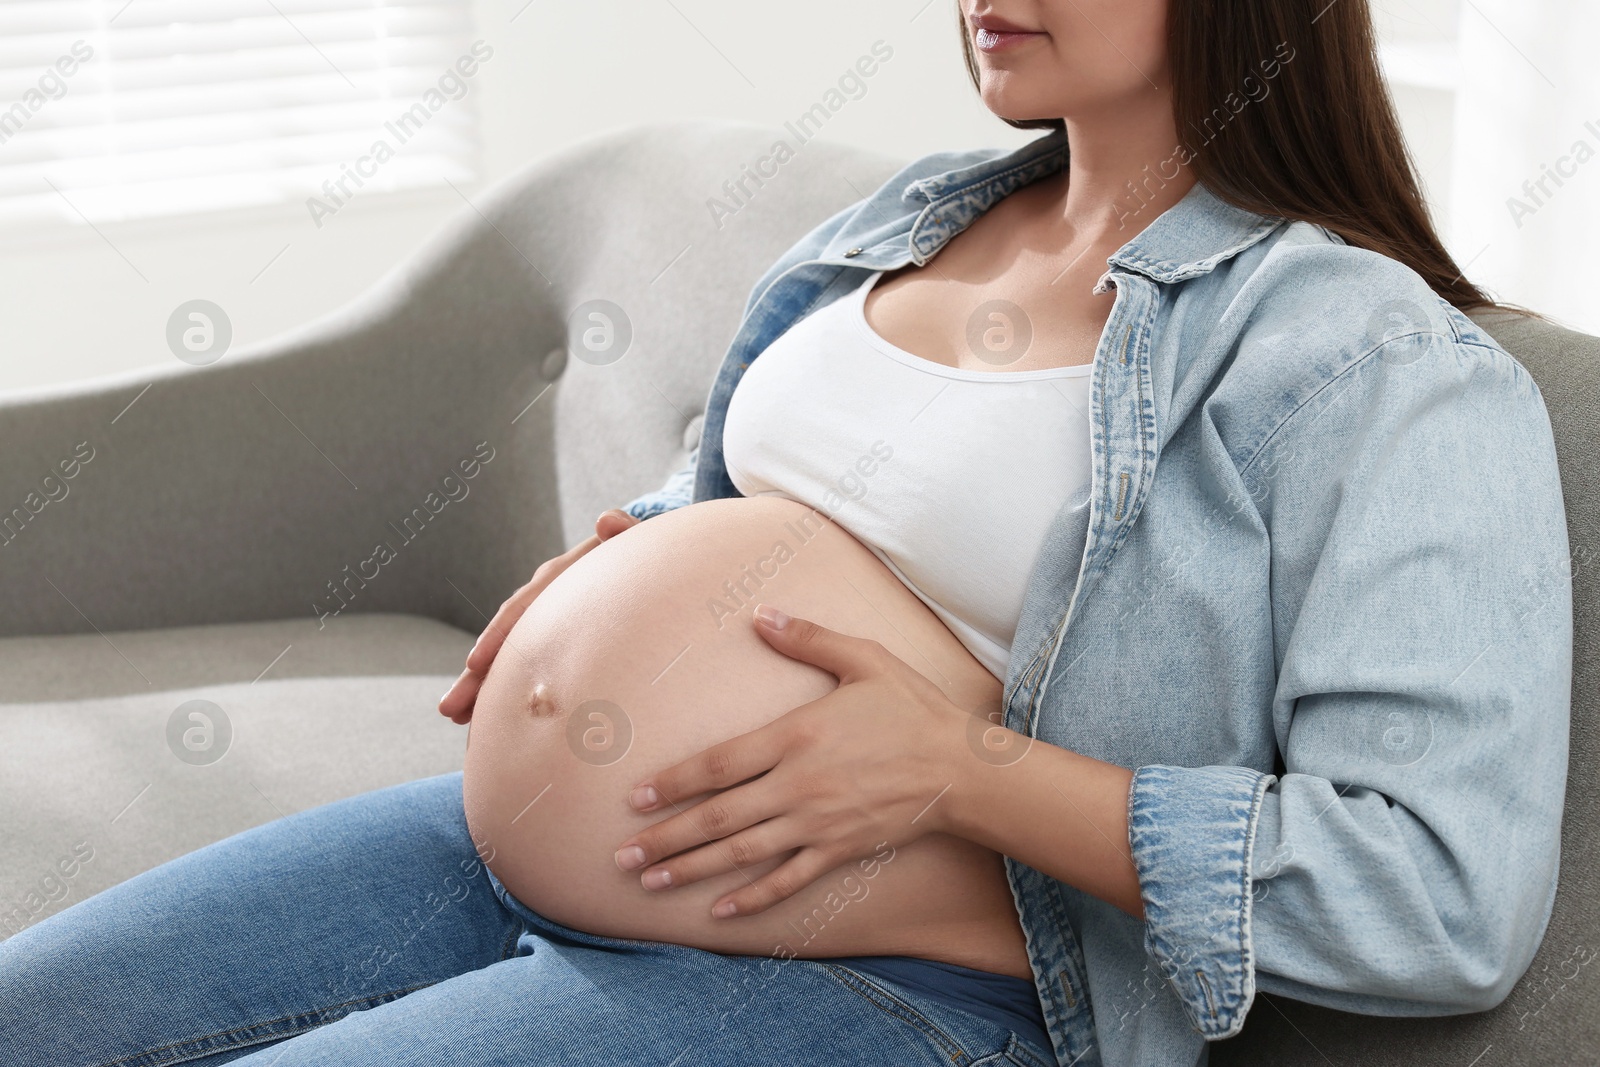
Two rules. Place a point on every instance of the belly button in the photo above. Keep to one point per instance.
(541, 702)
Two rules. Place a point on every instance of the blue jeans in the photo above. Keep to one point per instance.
(367, 932)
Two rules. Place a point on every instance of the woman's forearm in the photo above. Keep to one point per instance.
(1063, 814)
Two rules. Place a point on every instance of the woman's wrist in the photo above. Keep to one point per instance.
(1059, 812)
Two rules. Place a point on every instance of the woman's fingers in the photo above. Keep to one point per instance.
(457, 702)
(778, 884)
(845, 657)
(494, 635)
(487, 647)
(712, 819)
(610, 523)
(721, 766)
(456, 705)
(747, 848)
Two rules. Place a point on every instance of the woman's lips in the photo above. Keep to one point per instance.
(992, 41)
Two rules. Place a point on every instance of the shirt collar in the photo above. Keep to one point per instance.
(1186, 240)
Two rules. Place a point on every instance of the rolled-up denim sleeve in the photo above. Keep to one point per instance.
(1404, 860)
(1192, 833)
(675, 493)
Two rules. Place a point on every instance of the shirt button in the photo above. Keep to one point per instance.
(691, 433)
(852, 253)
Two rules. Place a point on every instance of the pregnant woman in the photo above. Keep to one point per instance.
(1114, 577)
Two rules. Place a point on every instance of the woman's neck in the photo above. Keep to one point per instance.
(1123, 172)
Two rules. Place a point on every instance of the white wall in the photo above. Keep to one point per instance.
(1501, 103)
(75, 303)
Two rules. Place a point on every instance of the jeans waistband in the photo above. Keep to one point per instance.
(1021, 1050)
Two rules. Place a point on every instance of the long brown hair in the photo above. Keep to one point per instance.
(1321, 143)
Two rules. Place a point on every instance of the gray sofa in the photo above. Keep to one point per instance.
(217, 545)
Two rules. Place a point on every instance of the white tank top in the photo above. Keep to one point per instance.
(951, 477)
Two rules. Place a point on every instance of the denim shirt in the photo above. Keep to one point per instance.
(1316, 595)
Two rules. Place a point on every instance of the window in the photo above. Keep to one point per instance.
(121, 109)
(1499, 98)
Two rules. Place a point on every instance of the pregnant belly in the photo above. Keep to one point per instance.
(642, 654)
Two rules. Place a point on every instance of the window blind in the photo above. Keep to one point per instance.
(120, 109)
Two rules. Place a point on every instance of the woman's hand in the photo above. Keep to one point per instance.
(839, 777)
(457, 703)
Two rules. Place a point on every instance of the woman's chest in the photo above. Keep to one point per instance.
(997, 298)
(985, 326)
(952, 475)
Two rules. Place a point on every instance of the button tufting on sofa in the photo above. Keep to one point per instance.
(691, 432)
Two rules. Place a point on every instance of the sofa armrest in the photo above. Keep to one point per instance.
(264, 486)
(276, 482)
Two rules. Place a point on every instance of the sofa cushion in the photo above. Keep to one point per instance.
(104, 773)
